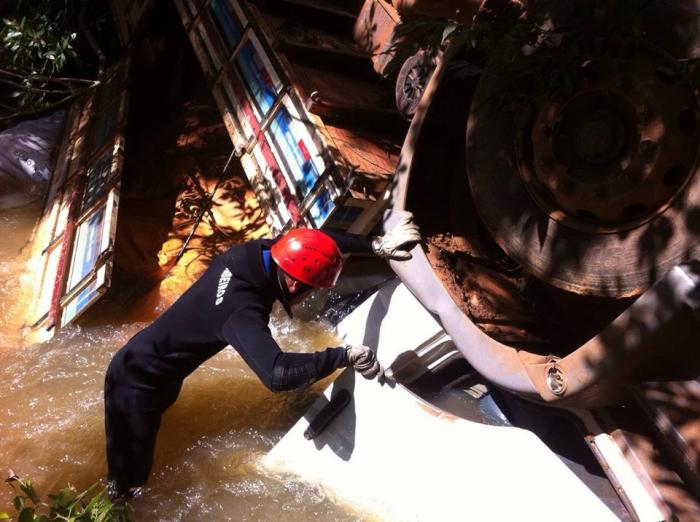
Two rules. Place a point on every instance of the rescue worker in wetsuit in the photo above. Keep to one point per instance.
(230, 305)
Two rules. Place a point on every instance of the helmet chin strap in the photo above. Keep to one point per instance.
(285, 294)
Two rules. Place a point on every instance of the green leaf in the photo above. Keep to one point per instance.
(94, 501)
(63, 498)
(28, 489)
(18, 503)
(26, 515)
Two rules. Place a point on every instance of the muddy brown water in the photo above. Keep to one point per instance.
(211, 440)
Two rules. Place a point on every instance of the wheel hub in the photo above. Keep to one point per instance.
(610, 157)
(594, 192)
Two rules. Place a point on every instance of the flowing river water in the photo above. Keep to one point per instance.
(211, 440)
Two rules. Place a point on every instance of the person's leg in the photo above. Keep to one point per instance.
(131, 438)
(144, 378)
(132, 419)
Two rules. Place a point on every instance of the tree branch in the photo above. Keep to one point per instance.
(40, 77)
(8, 120)
(34, 89)
(91, 40)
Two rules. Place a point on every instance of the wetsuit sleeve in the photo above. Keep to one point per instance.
(350, 243)
(247, 331)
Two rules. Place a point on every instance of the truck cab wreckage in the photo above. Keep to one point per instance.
(562, 229)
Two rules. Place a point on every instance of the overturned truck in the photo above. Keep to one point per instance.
(548, 150)
(550, 162)
(556, 188)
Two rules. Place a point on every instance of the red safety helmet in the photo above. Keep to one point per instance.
(308, 255)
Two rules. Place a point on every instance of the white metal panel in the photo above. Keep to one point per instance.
(395, 457)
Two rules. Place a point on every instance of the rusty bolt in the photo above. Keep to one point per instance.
(646, 148)
(643, 112)
(556, 381)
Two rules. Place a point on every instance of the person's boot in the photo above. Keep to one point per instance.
(120, 495)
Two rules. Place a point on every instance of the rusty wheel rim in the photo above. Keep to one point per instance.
(595, 192)
(616, 153)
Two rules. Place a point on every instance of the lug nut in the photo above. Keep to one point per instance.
(556, 382)
(646, 149)
(643, 113)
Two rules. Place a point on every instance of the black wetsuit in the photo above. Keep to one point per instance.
(229, 305)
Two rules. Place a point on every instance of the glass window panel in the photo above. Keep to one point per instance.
(344, 217)
(87, 247)
(230, 30)
(103, 127)
(109, 89)
(85, 298)
(98, 175)
(321, 207)
(258, 76)
(304, 127)
(295, 148)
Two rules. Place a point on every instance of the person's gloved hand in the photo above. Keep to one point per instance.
(364, 361)
(396, 243)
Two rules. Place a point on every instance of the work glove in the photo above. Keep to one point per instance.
(397, 242)
(364, 361)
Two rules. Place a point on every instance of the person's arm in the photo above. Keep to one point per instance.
(247, 331)
(350, 243)
(394, 244)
